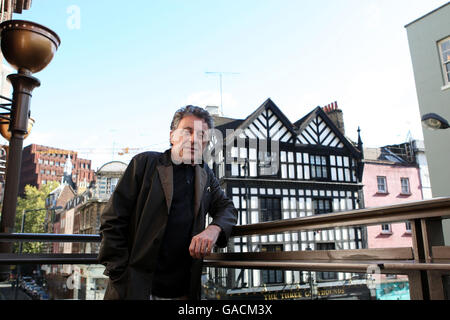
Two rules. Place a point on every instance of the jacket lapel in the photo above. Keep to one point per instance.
(165, 172)
(200, 182)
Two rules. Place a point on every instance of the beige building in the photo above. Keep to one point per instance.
(429, 43)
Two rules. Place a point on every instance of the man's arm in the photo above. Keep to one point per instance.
(224, 216)
(115, 221)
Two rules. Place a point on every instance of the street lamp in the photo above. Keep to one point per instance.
(434, 121)
(28, 47)
(4, 126)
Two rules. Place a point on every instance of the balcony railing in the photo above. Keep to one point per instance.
(425, 263)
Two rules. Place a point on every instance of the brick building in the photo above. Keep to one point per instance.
(41, 164)
(80, 214)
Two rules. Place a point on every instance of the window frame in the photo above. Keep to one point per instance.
(316, 207)
(264, 161)
(385, 191)
(408, 185)
(262, 214)
(326, 276)
(324, 168)
(276, 274)
(408, 227)
(444, 64)
(388, 230)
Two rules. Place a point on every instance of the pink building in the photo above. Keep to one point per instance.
(389, 178)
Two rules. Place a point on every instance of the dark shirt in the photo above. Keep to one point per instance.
(172, 274)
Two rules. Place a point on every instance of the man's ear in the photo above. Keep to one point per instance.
(171, 137)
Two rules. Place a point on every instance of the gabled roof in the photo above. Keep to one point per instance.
(268, 104)
(304, 122)
(298, 123)
(286, 125)
(62, 194)
(232, 124)
(221, 121)
(244, 124)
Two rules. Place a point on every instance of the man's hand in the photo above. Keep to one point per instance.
(202, 244)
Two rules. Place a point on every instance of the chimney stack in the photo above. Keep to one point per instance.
(335, 114)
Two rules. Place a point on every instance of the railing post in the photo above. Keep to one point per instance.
(433, 235)
(426, 285)
(418, 283)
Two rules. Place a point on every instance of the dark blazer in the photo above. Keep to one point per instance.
(135, 218)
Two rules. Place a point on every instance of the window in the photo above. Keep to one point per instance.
(272, 276)
(113, 184)
(243, 162)
(382, 185)
(326, 276)
(405, 186)
(268, 163)
(270, 209)
(386, 228)
(318, 167)
(287, 165)
(408, 227)
(322, 206)
(302, 166)
(342, 168)
(444, 48)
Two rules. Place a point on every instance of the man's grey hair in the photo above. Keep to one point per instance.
(191, 110)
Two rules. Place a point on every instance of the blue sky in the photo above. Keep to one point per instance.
(116, 80)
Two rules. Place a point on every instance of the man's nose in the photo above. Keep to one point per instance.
(195, 138)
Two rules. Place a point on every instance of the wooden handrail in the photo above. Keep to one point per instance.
(425, 262)
(425, 209)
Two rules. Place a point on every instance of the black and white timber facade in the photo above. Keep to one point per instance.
(273, 169)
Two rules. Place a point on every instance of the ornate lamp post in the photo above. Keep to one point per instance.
(28, 47)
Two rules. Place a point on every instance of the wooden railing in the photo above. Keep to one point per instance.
(425, 263)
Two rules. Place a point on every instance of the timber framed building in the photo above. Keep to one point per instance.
(273, 169)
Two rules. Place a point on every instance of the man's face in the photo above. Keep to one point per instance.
(189, 140)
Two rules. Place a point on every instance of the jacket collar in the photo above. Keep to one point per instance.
(165, 170)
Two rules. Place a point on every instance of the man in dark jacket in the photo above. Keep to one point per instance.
(153, 227)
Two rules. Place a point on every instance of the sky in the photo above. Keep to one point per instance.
(124, 67)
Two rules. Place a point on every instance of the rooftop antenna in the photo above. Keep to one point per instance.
(220, 73)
